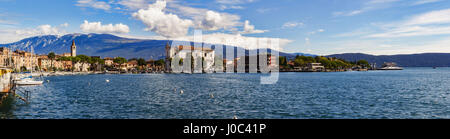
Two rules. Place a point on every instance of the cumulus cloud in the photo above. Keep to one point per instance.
(40, 30)
(97, 27)
(207, 19)
(215, 21)
(165, 24)
(250, 29)
(94, 4)
(14, 34)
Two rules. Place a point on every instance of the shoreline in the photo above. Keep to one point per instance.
(44, 74)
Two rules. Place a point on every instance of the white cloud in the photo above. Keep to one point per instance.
(97, 27)
(7, 22)
(234, 1)
(317, 31)
(40, 30)
(431, 23)
(420, 2)
(367, 6)
(10, 34)
(250, 29)
(207, 19)
(64, 25)
(433, 17)
(135, 4)
(225, 7)
(383, 47)
(94, 4)
(14, 34)
(307, 41)
(292, 24)
(233, 4)
(264, 10)
(215, 21)
(165, 24)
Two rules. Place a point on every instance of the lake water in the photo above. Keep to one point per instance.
(411, 93)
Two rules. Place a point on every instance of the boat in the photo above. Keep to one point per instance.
(390, 66)
(26, 82)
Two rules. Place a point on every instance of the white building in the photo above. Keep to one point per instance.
(203, 57)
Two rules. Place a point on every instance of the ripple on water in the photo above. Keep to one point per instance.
(412, 93)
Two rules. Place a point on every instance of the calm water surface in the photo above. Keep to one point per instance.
(411, 93)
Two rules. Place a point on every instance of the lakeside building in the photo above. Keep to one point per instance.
(153, 67)
(109, 61)
(22, 60)
(315, 67)
(203, 57)
(17, 59)
(255, 66)
(131, 64)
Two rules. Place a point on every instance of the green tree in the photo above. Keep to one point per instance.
(283, 61)
(160, 62)
(52, 57)
(299, 62)
(363, 63)
(141, 62)
(120, 60)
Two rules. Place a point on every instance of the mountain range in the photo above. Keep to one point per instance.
(405, 60)
(107, 45)
(103, 45)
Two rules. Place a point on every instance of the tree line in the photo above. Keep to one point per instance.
(327, 62)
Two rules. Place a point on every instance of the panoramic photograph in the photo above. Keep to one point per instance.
(224, 59)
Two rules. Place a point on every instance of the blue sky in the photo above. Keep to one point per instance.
(309, 26)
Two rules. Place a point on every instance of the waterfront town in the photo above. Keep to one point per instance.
(206, 59)
(22, 61)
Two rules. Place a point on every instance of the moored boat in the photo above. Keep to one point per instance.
(390, 66)
(29, 81)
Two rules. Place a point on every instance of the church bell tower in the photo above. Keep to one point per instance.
(73, 49)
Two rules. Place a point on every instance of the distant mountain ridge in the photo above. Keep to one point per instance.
(103, 45)
(404, 60)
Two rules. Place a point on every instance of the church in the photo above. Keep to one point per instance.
(73, 49)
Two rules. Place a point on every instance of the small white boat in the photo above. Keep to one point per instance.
(29, 81)
(390, 66)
